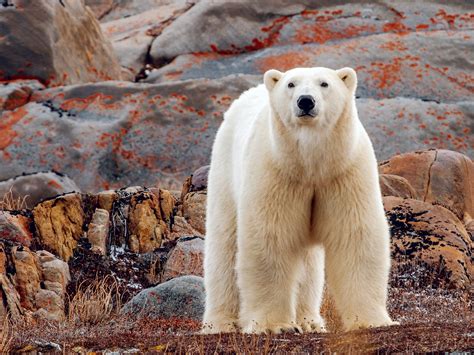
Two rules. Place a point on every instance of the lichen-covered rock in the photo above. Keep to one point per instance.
(146, 227)
(182, 297)
(111, 135)
(393, 185)
(36, 187)
(186, 258)
(27, 276)
(98, 231)
(55, 42)
(16, 228)
(438, 176)
(430, 245)
(59, 224)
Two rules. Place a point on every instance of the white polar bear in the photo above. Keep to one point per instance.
(293, 189)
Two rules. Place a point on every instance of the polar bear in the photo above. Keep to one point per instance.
(293, 196)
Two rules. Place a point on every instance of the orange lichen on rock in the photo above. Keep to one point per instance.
(7, 134)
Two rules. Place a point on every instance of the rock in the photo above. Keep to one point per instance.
(57, 43)
(129, 8)
(27, 276)
(106, 199)
(147, 228)
(194, 210)
(98, 231)
(199, 178)
(59, 224)
(55, 272)
(101, 7)
(17, 93)
(393, 185)
(151, 135)
(186, 258)
(181, 228)
(438, 176)
(16, 228)
(182, 297)
(11, 304)
(132, 36)
(36, 187)
(50, 305)
(430, 246)
(389, 46)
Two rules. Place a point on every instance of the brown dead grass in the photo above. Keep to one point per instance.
(11, 203)
(432, 320)
(95, 302)
(6, 336)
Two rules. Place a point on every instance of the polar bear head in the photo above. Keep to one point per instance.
(310, 96)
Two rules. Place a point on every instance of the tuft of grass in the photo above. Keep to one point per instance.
(96, 302)
(6, 336)
(11, 203)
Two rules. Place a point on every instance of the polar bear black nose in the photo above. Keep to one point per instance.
(305, 103)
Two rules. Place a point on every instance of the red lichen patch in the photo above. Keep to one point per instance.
(394, 46)
(450, 19)
(81, 104)
(396, 27)
(285, 61)
(7, 134)
(320, 33)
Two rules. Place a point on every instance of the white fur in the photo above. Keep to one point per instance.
(287, 198)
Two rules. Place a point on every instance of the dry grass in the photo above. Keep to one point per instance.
(96, 302)
(11, 203)
(6, 336)
(432, 320)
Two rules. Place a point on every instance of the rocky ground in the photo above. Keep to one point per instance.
(107, 115)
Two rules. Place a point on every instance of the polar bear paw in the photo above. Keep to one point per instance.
(312, 324)
(272, 328)
(365, 325)
(228, 326)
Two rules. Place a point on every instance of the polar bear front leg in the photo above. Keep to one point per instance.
(357, 246)
(222, 296)
(266, 274)
(310, 291)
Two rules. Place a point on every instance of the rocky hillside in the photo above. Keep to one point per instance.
(107, 115)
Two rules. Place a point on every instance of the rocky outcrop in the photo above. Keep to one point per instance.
(36, 187)
(430, 246)
(59, 224)
(440, 177)
(32, 284)
(55, 42)
(182, 297)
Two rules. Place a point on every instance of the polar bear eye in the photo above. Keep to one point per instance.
(324, 84)
(291, 85)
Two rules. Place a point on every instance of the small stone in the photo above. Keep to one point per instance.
(186, 258)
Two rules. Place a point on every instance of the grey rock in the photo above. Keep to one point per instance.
(182, 297)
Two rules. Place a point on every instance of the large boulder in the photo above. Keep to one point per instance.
(32, 283)
(182, 297)
(430, 246)
(111, 135)
(30, 189)
(59, 224)
(438, 176)
(56, 42)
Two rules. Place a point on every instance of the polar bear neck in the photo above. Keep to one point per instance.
(309, 152)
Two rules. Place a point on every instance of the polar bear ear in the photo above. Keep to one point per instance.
(349, 77)
(271, 77)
